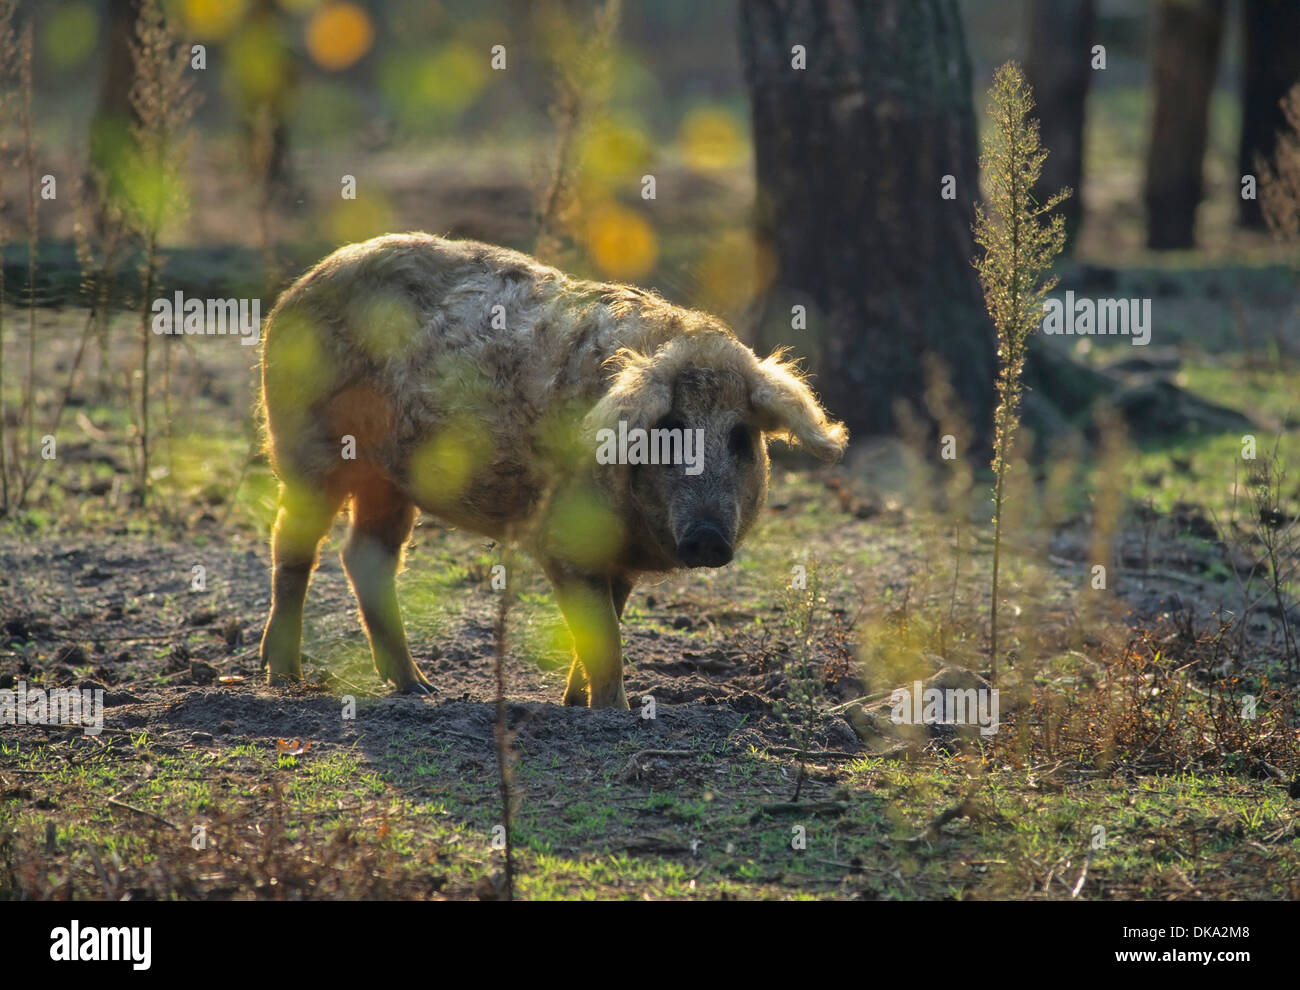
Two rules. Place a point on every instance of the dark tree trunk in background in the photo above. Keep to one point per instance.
(1270, 67)
(851, 153)
(1059, 70)
(110, 127)
(1187, 35)
(265, 123)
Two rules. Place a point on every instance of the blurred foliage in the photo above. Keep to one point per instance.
(403, 94)
(349, 220)
(69, 38)
(258, 63)
(431, 89)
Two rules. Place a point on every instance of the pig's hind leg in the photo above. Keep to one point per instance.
(303, 519)
(381, 524)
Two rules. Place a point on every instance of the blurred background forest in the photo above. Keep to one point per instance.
(546, 146)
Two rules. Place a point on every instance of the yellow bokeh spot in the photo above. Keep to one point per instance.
(213, 20)
(69, 37)
(442, 468)
(153, 194)
(259, 64)
(547, 640)
(621, 243)
(352, 220)
(734, 271)
(299, 371)
(583, 530)
(384, 322)
(559, 433)
(611, 151)
(432, 89)
(339, 35)
(453, 77)
(711, 140)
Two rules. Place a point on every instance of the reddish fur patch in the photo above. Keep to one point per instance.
(361, 411)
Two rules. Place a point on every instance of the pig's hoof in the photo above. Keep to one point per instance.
(282, 678)
(405, 677)
(610, 699)
(419, 688)
(411, 681)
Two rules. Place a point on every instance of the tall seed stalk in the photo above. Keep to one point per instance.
(1280, 195)
(580, 69)
(97, 273)
(1019, 247)
(29, 170)
(802, 606)
(502, 734)
(163, 101)
(1279, 179)
(8, 68)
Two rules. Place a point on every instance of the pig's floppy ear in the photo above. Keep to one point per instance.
(786, 408)
(636, 396)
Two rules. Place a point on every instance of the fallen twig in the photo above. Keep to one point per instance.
(1083, 875)
(131, 788)
(142, 811)
(965, 808)
(632, 768)
(788, 808)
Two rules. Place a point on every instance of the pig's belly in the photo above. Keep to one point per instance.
(497, 500)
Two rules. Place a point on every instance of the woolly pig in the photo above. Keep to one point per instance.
(606, 431)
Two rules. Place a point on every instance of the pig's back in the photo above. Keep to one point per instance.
(462, 320)
(442, 351)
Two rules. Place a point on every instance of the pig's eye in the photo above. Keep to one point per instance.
(740, 443)
(670, 423)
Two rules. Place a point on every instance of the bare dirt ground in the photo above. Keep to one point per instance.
(298, 797)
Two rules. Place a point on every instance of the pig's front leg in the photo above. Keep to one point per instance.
(575, 691)
(588, 605)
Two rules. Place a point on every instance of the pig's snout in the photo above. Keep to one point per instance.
(704, 544)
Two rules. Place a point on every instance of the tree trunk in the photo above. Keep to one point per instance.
(1270, 67)
(1059, 70)
(852, 154)
(1187, 36)
(110, 127)
(266, 115)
